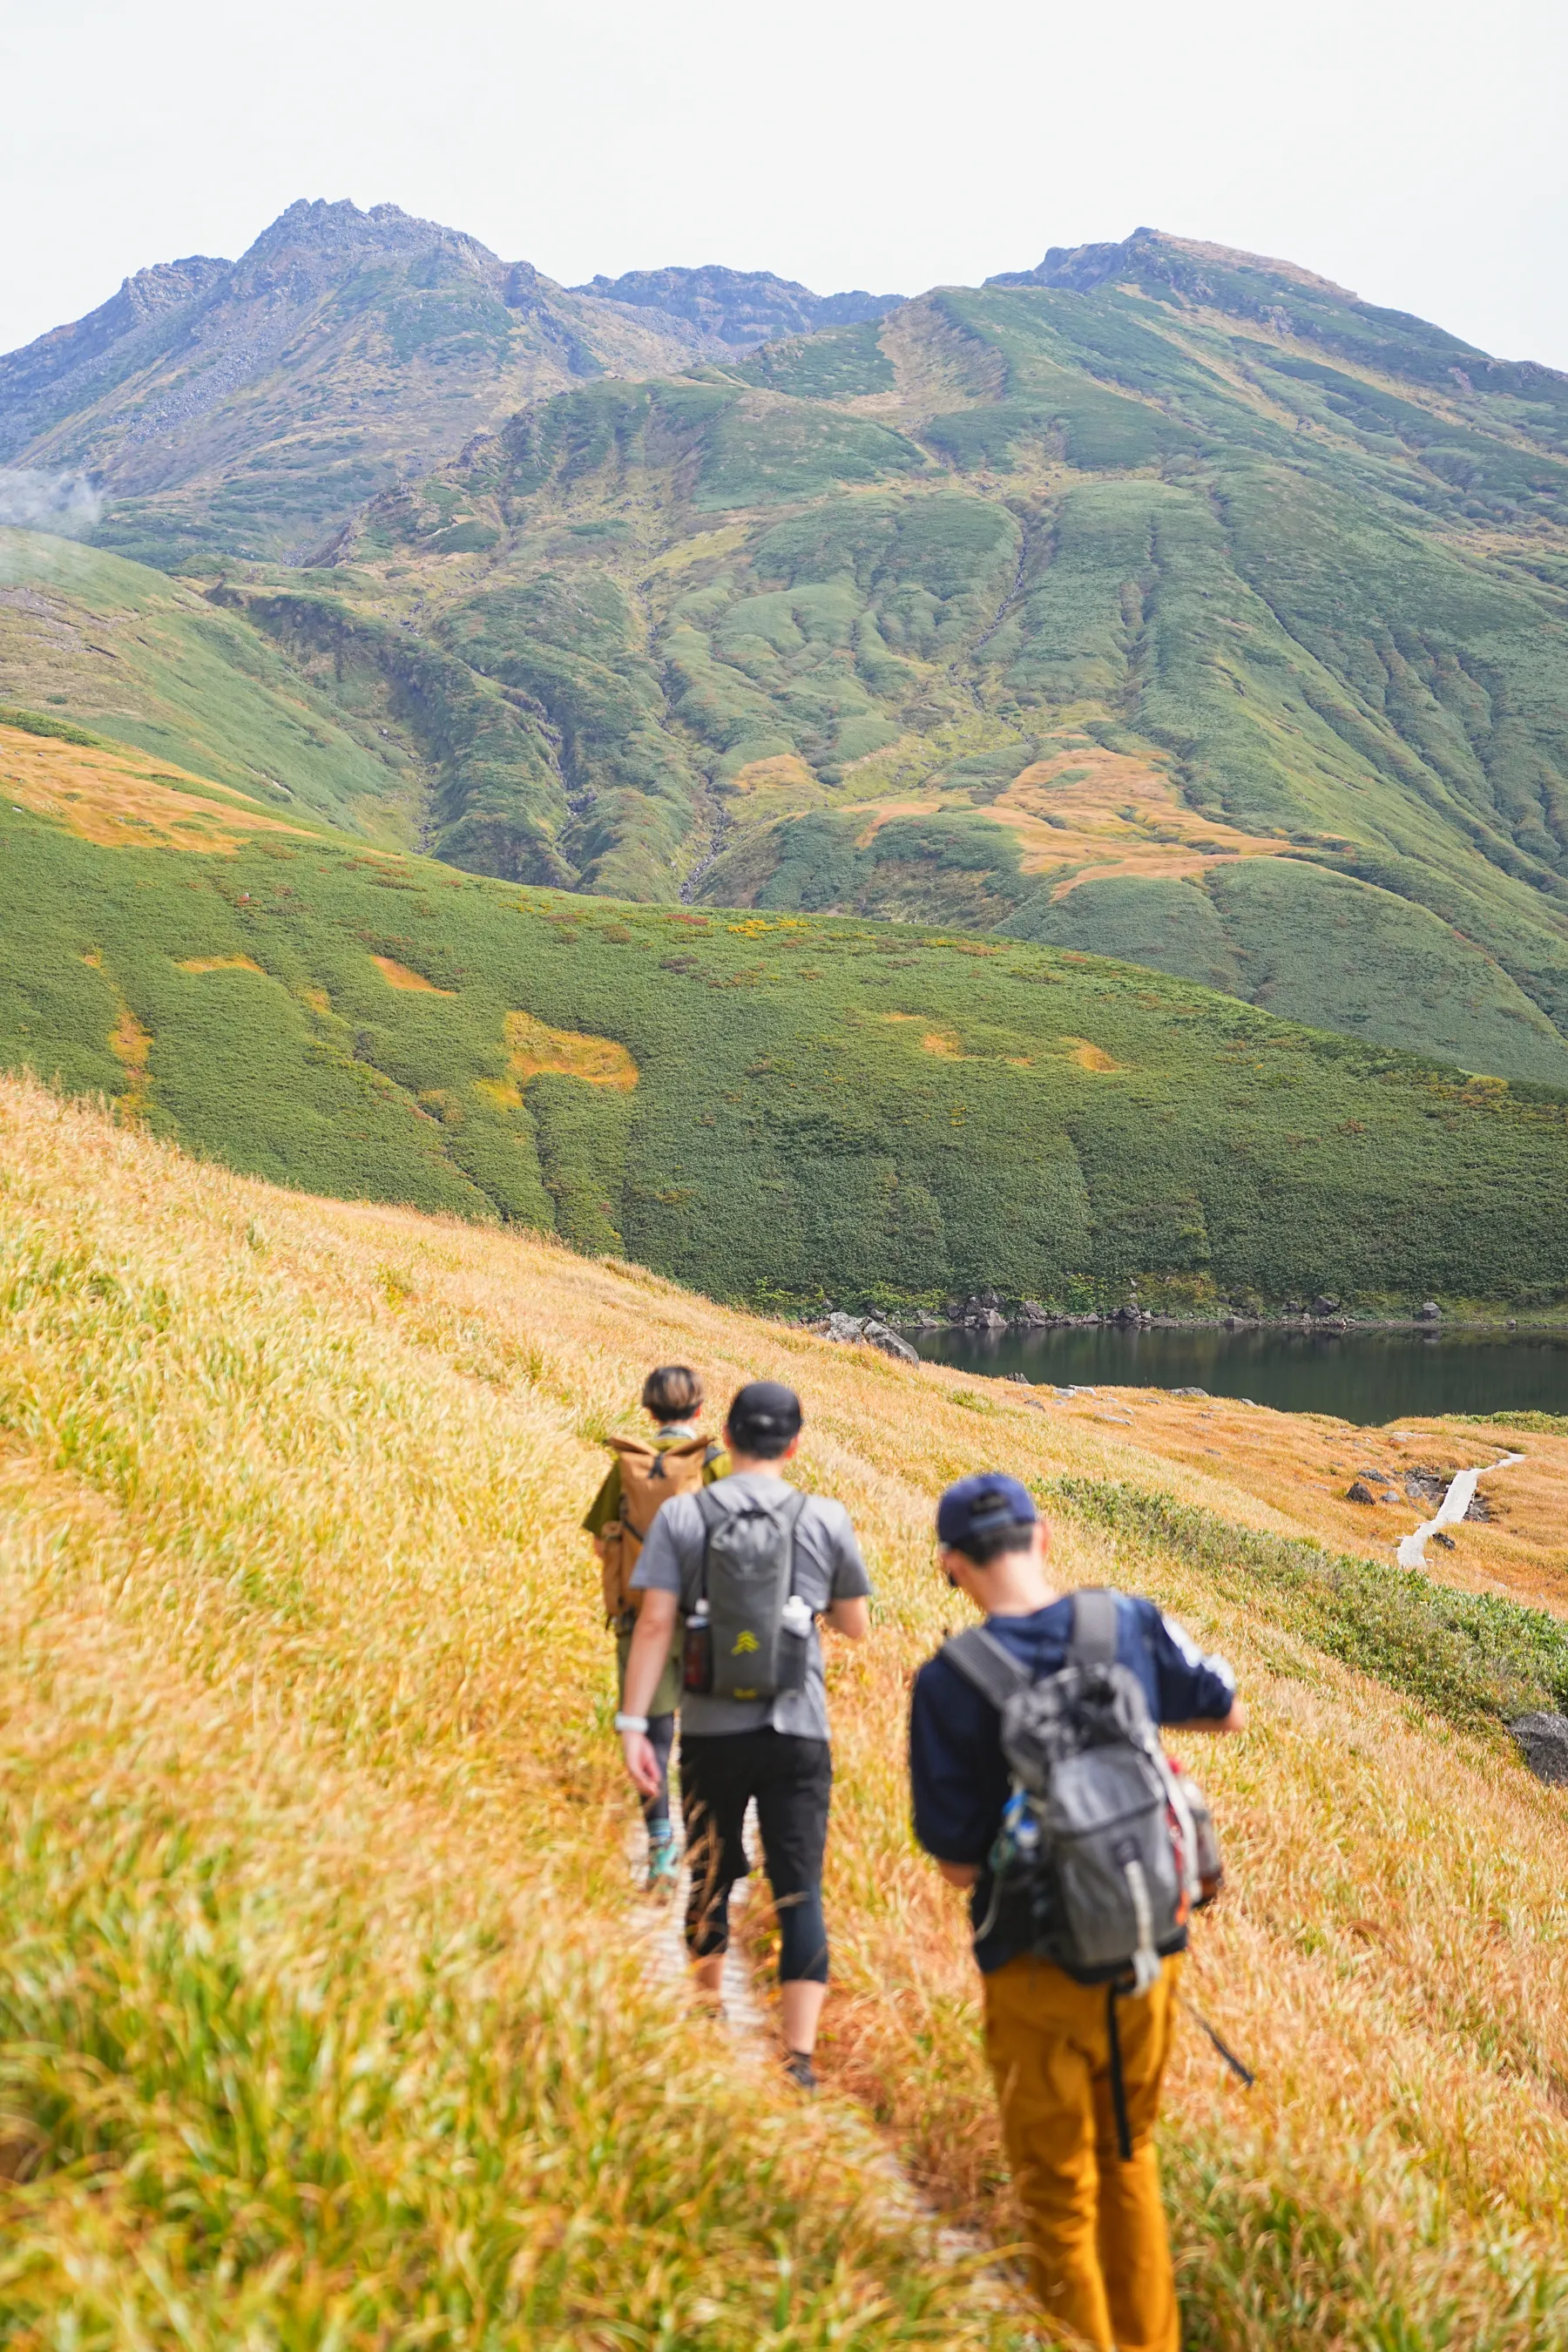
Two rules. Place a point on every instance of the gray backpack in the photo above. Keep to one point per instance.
(1099, 1843)
(747, 1634)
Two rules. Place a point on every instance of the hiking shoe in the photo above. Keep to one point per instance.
(663, 1865)
(797, 2065)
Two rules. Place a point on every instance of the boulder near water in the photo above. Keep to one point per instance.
(865, 1331)
(877, 1334)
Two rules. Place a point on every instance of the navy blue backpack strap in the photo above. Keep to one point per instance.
(981, 1659)
(1094, 1639)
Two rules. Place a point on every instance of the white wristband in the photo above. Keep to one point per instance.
(631, 1723)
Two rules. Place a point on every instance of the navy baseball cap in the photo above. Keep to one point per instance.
(986, 1505)
(765, 1409)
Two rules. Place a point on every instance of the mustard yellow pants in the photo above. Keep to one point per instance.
(1100, 2257)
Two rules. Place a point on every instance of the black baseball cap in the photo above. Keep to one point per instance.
(986, 1505)
(765, 1410)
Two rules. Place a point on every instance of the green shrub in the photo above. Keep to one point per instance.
(1470, 1656)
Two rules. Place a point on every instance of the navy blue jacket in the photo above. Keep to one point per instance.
(957, 1769)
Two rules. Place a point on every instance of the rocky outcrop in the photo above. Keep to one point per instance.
(865, 1331)
(982, 1312)
(1543, 1741)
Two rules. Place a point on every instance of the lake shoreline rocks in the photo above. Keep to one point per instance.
(989, 1311)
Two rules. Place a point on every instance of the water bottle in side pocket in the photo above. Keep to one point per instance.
(794, 1644)
(696, 1656)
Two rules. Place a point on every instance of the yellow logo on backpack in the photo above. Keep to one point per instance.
(747, 1640)
(650, 1476)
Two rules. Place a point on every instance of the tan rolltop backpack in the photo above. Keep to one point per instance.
(650, 1474)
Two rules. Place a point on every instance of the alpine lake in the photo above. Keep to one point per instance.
(1369, 1375)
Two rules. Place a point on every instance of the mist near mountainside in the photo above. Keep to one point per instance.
(1159, 601)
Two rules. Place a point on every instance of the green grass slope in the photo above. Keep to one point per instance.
(141, 659)
(819, 1105)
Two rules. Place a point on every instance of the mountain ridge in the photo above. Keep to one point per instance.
(1183, 605)
(140, 390)
(737, 308)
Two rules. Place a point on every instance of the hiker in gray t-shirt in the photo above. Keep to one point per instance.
(733, 1747)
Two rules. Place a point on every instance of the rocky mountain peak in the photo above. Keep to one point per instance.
(1152, 259)
(313, 244)
(740, 308)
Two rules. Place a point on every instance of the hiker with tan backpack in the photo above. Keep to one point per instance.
(645, 1472)
(749, 1568)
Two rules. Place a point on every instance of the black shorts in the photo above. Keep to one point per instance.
(792, 1780)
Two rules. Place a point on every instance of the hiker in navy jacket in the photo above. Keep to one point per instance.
(1100, 2259)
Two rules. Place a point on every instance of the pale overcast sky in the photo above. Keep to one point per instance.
(1414, 150)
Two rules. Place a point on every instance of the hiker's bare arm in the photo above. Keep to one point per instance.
(651, 1647)
(850, 1618)
(960, 1873)
(598, 1543)
(644, 1664)
(1234, 1721)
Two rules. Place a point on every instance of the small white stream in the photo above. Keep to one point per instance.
(1461, 1494)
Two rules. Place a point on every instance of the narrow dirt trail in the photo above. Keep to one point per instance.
(658, 1926)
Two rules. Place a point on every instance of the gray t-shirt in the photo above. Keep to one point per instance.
(828, 1568)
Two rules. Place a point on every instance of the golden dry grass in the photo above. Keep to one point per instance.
(112, 798)
(1106, 813)
(290, 1500)
(1097, 813)
(310, 1857)
(536, 1048)
(1301, 1465)
(398, 975)
(1090, 1057)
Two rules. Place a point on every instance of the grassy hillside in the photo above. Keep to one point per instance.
(1288, 574)
(144, 660)
(1162, 602)
(295, 1600)
(770, 1107)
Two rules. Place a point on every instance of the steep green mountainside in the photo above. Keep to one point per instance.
(768, 1107)
(1161, 600)
(1202, 610)
(145, 660)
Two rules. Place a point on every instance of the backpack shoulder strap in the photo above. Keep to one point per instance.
(980, 1658)
(1093, 1638)
(709, 1510)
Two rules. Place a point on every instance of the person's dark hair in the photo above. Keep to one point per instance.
(673, 1391)
(764, 1420)
(984, 1546)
